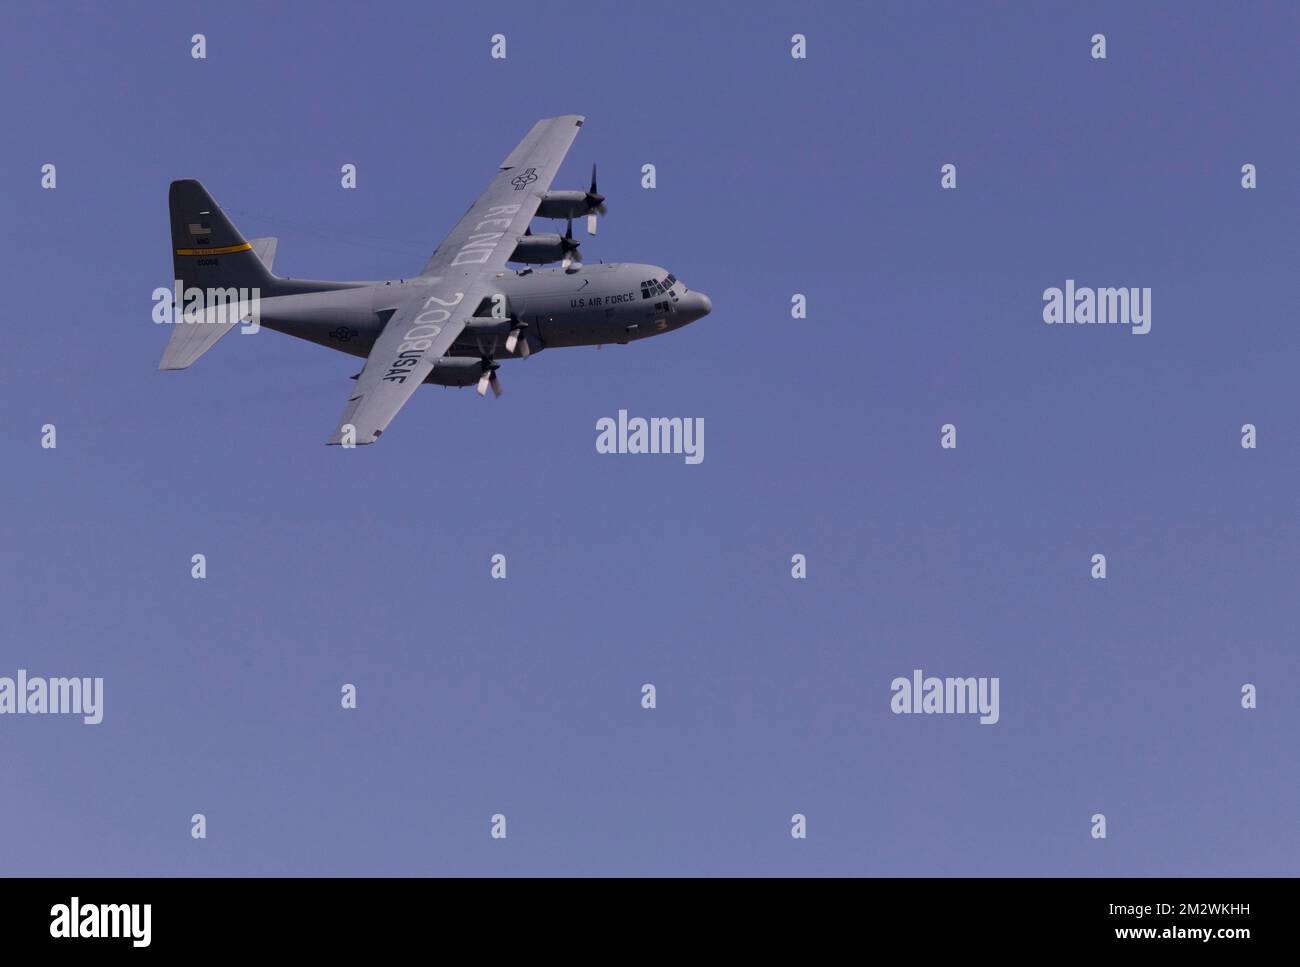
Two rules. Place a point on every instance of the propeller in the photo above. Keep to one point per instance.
(516, 338)
(489, 378)
(569, 246)
(595, 203)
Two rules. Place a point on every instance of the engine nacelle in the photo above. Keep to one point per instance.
(565, 204)
(455, 371)
(482, 326)
(539, 249)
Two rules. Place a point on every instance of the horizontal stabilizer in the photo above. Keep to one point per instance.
(190, 340)
(264, 249)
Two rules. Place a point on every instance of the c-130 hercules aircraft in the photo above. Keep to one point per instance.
(465, 309)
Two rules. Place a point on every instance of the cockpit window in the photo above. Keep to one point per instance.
(654, 287)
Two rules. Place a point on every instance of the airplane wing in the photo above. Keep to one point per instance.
(424, 326)
(485, 237)
(420, 330)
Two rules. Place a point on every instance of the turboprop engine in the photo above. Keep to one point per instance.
(455, 371)
(574, 204)
(547, 247)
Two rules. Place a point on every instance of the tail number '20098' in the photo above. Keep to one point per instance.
(424, 329)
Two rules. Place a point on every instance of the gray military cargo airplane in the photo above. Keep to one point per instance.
(464, 311)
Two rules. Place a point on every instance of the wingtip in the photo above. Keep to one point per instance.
(337, 439)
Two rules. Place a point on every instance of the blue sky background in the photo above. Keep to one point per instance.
(521, 696)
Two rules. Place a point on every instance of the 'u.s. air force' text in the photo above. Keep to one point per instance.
(598, 301)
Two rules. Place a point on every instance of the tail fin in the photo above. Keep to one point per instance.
(208, 251)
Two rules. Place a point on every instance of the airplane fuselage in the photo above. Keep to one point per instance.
(587, 305)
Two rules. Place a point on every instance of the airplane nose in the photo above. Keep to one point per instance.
(702, 305)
